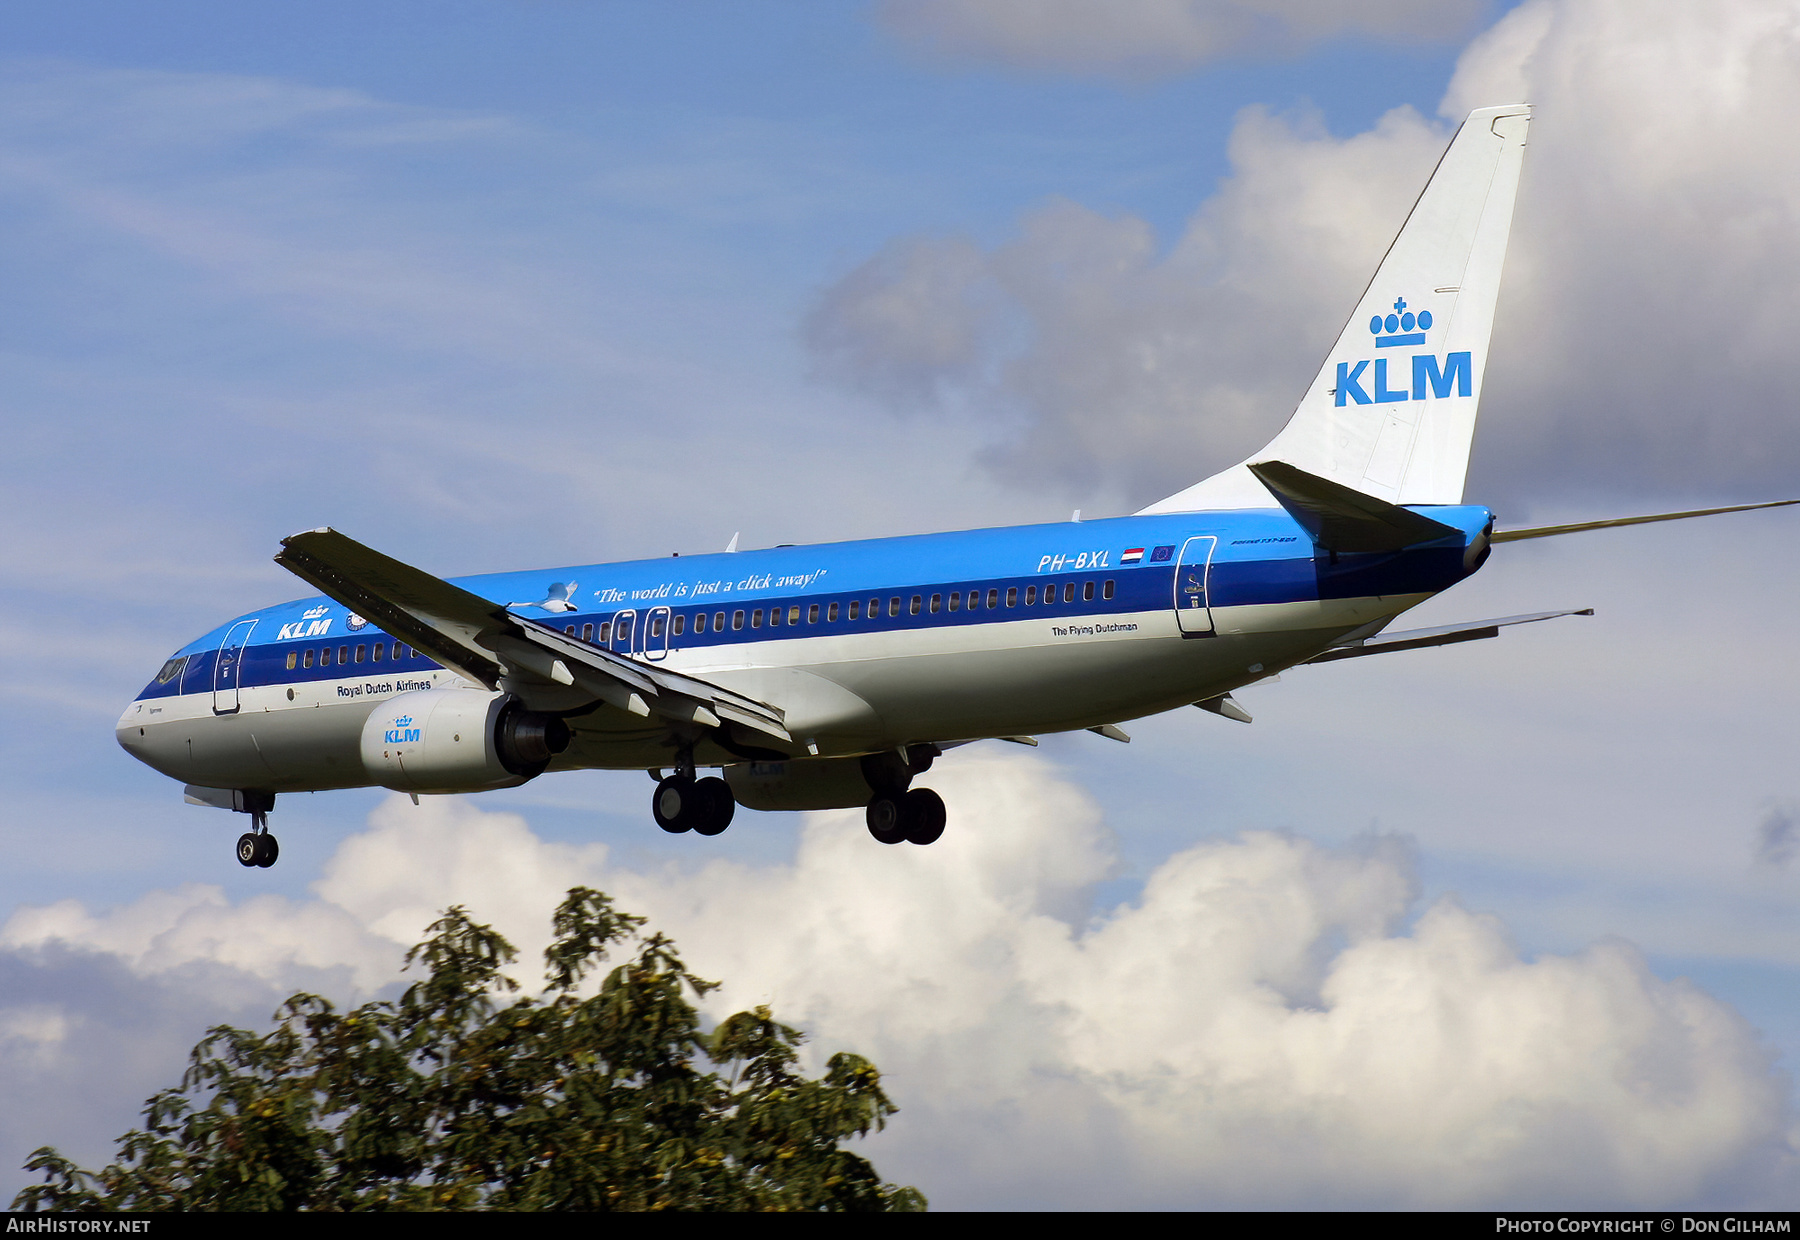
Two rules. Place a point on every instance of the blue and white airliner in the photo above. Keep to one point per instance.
(831, 676)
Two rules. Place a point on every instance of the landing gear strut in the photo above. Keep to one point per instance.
(256, 846)
(683, 803)
(917, 817)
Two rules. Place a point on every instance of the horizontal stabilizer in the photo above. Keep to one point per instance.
(484, 641)
(1548, 531)
(1341, 519)
(1449, 634)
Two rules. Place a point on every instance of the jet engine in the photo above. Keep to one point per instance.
(458, 740)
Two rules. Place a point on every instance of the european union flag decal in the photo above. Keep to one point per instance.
(1162, 555)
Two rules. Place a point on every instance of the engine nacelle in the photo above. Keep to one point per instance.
(824, 783)
(458, 740)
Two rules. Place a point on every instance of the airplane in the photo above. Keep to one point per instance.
(833, 675)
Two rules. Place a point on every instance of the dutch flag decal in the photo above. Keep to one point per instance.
(1132, 555)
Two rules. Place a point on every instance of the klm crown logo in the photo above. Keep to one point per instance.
(1400, 326)
(1431, 379)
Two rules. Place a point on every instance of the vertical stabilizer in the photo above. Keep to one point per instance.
(1392, 411)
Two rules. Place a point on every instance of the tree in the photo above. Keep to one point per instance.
(446, 1100)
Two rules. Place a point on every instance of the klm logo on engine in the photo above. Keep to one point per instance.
(1430, 378)
(402, 732)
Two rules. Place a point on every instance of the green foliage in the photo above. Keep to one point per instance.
(445, 1100)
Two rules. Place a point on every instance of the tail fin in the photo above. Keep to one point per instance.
(1392, 411)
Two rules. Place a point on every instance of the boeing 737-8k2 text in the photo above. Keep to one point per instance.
(832, 675)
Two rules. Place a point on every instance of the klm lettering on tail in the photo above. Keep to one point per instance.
(1429, 378)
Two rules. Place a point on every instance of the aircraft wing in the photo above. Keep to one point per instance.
(1416, 639)
(485, 642)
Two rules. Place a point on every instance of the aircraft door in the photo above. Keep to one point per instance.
(655, 644)
(228, 665)
(623, 631)
(1193, 611)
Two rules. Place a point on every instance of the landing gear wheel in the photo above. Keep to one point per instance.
(257, 848)
(922, 815)
(676, 803)
(886, 819)
(714, 805)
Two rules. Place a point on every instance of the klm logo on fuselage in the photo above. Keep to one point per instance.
(1430, 378)
(301, 629)
(402, 732)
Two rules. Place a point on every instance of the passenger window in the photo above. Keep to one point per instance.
(993, 599)
(570, 630)
(894, 606)
(812, 614)
(699, 622)
(680, 624)
(774, 617)
(293, 658)
(1107, 590)
(1069, 592)
(1012, 596)
(306, 659)
(917, 604)
(737, 620)
(1030, 596)
(974, 599)
(380, 649)
(831, 614)
(361, 653)
(856, 609)
(587, 632)
(656, 626)
(756, 618)
(719, 621)
(605, 632)
(1087, 591)
(343, 655)
(955, 599)
(794, 614)
(937, 603)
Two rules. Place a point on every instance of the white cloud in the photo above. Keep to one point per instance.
(1151, 38)
(1261, 1026)
(1642, 341)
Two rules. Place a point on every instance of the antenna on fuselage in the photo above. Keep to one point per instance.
(732, 545)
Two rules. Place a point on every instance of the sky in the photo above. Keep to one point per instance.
(508, 285)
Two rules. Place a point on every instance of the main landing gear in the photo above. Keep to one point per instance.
(256, 846)
(917, 817)
(683, 803)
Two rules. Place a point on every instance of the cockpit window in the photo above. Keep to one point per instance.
(171, 670)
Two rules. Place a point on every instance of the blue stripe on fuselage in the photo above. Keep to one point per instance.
(1262, 557)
